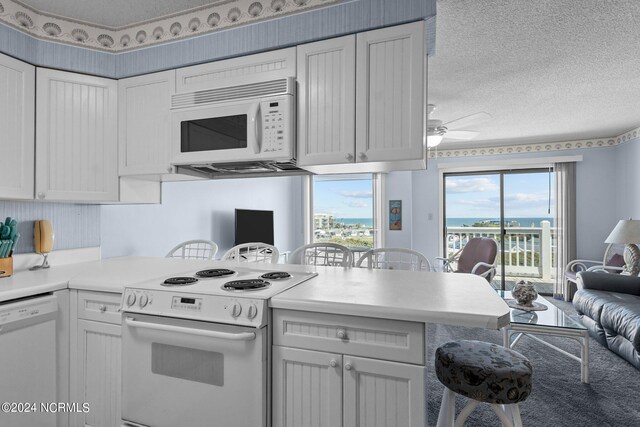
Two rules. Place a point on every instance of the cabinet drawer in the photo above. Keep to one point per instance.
(358, 336)
(99, 306)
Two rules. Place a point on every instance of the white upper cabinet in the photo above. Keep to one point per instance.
(76, 137)
(326, 101)
(17, 110)
(260, 67)
(361, 102)
(390, 94)
(145, 123)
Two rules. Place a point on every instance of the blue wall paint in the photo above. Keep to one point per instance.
(74, 226)
(202, 210)
(344, 18)
(626, 180)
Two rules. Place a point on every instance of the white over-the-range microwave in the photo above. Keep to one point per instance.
(251, 125)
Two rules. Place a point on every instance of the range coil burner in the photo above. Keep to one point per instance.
(179, 281)
(276, 275)
(215, 272)
(246, 285)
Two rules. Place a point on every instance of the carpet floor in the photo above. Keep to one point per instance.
(558, 398)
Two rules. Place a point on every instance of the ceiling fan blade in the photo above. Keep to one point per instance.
(470, 120)
(461, 134)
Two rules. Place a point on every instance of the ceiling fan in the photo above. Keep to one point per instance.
(436, 130)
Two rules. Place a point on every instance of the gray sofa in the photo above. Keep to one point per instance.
(609, 306)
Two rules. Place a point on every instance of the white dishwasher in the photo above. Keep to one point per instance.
(28, 361)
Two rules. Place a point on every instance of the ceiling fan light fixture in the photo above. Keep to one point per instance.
(435, 132)
(434, 140)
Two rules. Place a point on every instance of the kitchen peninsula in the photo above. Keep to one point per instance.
(360, 330)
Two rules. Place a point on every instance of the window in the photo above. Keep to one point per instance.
(344, 210)
(516, 208)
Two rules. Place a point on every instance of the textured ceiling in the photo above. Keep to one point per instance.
(546, 70)
(114, 13)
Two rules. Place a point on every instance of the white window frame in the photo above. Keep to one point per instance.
(379, 213)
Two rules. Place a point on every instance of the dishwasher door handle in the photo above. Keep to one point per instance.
(242, 336)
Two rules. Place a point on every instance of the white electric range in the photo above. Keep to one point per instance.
(195, 346)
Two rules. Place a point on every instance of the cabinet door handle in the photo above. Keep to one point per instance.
(362, 156)
(333, 363)
(102, 308)
(40, 195)
(348, 156)
(348, 366)
(342, 334)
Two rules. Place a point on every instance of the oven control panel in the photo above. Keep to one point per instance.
(186, 303)
(209, 308)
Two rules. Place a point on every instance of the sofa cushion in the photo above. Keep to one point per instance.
(590, 302)
(623, 318)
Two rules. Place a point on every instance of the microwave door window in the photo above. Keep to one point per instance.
(218, 133)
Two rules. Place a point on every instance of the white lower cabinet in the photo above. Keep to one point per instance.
(307, 388)
(315, 388)
(96, 359)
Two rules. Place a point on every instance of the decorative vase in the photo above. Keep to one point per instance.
(524, 293)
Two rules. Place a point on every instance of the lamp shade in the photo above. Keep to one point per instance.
(626, 231)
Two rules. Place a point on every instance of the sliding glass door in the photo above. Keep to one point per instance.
(514, 207)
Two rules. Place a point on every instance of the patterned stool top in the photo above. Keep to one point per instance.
(484, 371)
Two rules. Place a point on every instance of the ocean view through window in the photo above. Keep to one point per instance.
(343, 210)
(516, 208)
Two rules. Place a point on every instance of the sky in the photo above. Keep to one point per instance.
(344, 198)
(526, 195)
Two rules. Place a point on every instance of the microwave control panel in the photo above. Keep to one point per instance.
(275, 125)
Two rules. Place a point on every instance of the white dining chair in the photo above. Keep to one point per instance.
(329, 254)
(394, 259)
(194, 249)
(257, 252)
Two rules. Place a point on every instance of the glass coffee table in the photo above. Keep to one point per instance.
(551, 322)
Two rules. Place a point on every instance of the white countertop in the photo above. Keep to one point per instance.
(455, 299)
(446, 298)
(26, 283)
(114, 274)
(109, 275)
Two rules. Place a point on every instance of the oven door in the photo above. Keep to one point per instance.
(181, 372)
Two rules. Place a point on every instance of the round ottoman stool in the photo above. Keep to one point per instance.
(485, 373)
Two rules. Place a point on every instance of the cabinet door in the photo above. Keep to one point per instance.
(326, 102)
(76, 137)
(390, 88)
(145, 123)
(17, 111)
(99, 376)
(307, 389)
(383, 394)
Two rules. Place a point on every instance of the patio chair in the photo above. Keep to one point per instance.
(612, 262)
(479, 256)
(394, 259)
(194, 249)
(329, 254)
(256, 252)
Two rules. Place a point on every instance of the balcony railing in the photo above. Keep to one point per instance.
(529, 251)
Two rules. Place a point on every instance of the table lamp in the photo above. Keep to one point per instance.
(627, 231)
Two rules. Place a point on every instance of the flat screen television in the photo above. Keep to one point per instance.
(254, 226)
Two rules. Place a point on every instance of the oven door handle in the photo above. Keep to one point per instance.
(242, 336)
